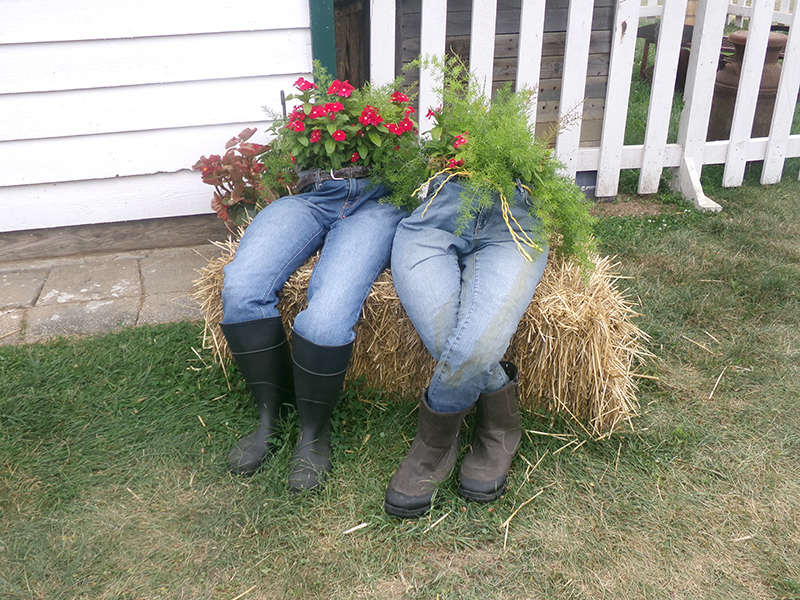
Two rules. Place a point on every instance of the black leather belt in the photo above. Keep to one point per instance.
(308, 179)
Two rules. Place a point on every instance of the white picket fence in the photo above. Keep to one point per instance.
(740, 10)
(691, 151)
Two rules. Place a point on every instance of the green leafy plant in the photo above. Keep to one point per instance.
(246, 178)
(491, 147)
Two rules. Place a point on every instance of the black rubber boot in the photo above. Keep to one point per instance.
(429, 462)
(319, 373)
(485, 466)
(261, 351)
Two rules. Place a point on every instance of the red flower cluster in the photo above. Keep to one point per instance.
(398, 98)
(433, 113)
(460, 140)
(401, 126)
(454, 164)
(303, 85)
(327, 129)
(370, 116)
(341, 88)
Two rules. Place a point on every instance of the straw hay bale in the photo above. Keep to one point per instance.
(576, 347)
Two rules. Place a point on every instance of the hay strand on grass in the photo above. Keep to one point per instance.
(576, 346)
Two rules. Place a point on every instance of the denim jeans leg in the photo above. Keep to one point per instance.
(465, 294)
(497, 287)
(355, 251)
(274, 245)
(427, 277)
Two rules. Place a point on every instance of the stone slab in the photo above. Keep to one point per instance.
(11, 326)
(169, 307)
(20, 289)
(91, 280)
(80, 318)
(174, 270)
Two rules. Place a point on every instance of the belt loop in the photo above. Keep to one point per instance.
(317, 177)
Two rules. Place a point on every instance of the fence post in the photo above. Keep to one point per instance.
(573, 83)
(382, 17)
(747, 94)
(623, 48)
(531, 38)
(784, 109)
(706, 42)
(661, 97)
(481, 44)
(431, 43)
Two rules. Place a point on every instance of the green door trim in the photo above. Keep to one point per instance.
(323, 39)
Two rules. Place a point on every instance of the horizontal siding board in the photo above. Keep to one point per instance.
(67, 20)
(104, 201)
(59, 66)
(139, 108)
(29, 162)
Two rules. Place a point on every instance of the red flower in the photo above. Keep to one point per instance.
(317, 112)
(460, 140)
(355, 157)
(296, 126)
(400, 128)
(303, 85)
(398, 97)
(294, 160)
(334, 107)
(297, 114)
(432, 114)
(370, 116)
(339, 135)
(409, 110)
(453, 163)
(341, 88)
(316, 136)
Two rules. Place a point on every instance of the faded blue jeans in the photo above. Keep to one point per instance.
(355, 231)
(465, 294)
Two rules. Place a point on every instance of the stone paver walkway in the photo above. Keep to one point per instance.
(94, 294)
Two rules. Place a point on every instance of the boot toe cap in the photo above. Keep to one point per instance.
(400, 505)
(481, 490)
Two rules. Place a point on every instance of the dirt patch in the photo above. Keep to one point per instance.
(629, 206)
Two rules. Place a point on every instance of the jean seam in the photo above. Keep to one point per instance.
(348, 200)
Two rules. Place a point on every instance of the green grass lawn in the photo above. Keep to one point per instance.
(112, 454)
(113, 484)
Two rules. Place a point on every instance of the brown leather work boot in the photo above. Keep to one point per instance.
(429, 462)
(483, 473)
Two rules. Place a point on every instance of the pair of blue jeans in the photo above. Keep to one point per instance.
(465, 293)
(344, 218)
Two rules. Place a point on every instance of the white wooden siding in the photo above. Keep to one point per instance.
(104, 106)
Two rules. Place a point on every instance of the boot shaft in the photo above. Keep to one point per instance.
(261, 351)
(319, 373)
